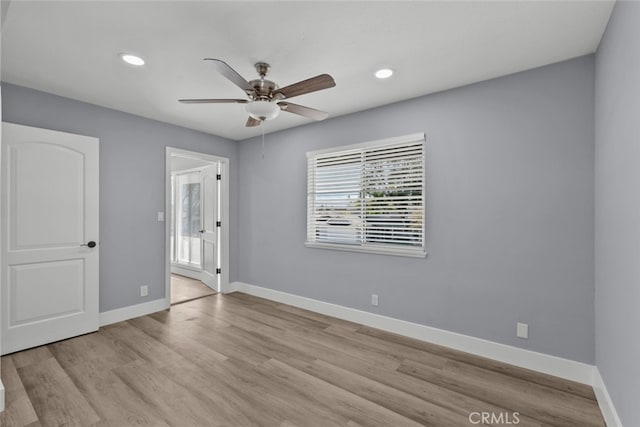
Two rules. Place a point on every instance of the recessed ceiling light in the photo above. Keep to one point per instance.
(132, 59)
(384, 73)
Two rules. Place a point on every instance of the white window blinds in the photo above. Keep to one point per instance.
(368, 197)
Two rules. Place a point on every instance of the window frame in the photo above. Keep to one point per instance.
(382, 249)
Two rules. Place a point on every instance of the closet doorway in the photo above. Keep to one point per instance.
(196, 230)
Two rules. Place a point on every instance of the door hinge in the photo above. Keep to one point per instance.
(218, 271)
(218, 224)
(218, 177)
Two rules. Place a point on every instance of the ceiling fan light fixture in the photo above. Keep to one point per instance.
(263, 110)
(132, 59)
(384, 73)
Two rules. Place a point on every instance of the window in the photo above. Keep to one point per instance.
(186, 206)
(368, 197)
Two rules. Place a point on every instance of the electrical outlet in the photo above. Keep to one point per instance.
(522, 330)
(374, 300)
(144, 291)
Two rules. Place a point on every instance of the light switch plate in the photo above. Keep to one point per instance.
(160, 216)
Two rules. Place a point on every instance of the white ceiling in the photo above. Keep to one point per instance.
(71, 49)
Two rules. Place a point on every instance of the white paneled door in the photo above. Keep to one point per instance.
(49, 271)
(209, 216)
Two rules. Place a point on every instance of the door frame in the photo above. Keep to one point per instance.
(1, 236)
(223, 213)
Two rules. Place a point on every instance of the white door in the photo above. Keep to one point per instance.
(208, 232)
(49, 271)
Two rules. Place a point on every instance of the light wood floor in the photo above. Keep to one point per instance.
(237, 360)
(185, 289)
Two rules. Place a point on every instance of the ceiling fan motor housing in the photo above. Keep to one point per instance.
(263, 88)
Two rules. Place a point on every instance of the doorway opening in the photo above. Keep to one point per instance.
(197, 237)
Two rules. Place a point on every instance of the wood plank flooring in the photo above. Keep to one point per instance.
(186, 289)
(238, 360)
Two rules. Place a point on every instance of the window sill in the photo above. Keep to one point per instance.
(404, 252)
(186, 266)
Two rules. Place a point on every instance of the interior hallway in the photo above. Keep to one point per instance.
(186, 289)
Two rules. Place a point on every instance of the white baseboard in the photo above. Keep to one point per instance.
(126, 313)
(1, 396)
(552, 365)
(604, 401)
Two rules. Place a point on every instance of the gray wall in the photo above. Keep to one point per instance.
(617, 210)
(132, 167)
(509, 175)
(509, 206)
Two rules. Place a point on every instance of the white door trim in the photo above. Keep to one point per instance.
(224, 215)
(1, 385)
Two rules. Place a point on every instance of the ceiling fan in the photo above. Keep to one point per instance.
(265, 98)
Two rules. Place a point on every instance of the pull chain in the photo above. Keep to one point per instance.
(263, 139)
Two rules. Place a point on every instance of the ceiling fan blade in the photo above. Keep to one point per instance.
(323, 81)
(303, 111)
(251, 122)
(213, 101)
(231, 74)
